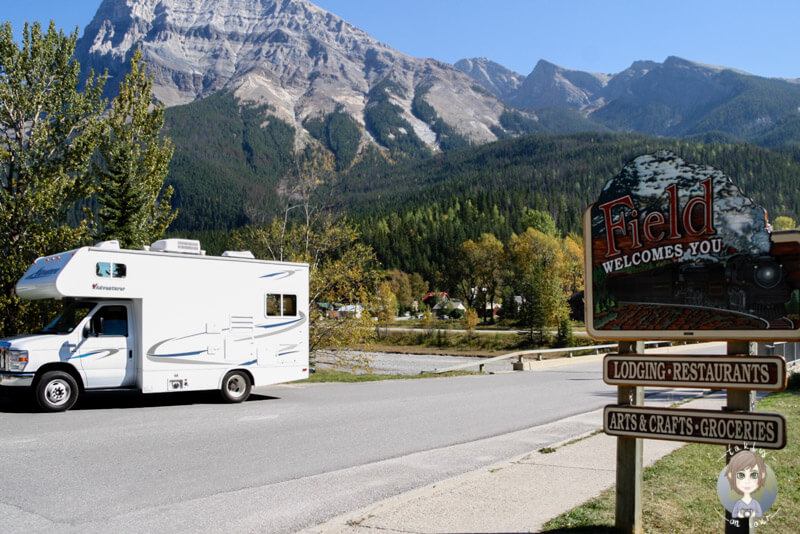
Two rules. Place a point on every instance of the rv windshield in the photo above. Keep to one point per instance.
(72, 315)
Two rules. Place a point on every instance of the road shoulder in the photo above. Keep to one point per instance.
(518, 495)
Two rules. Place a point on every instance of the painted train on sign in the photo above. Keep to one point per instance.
(754, 285)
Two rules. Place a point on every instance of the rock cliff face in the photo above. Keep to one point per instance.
(500, 80)
(551, 86)
(289, 54)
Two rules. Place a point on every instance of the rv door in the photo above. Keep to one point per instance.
(106, 352)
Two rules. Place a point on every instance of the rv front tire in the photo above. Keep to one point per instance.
(56, 391)
(236, 386)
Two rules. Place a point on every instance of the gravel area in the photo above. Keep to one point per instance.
(414, 364)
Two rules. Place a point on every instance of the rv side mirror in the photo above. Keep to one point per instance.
(86, 331)
(97, 326)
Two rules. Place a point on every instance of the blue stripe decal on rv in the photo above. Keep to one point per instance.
(280, 275)
(279, 324)
(251, 362)
(179, 354)
(108, 352)
(273, 329)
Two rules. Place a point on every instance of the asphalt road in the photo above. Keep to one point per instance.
(290, 457)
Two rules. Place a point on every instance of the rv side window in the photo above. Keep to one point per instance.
(104, 270)
(273, 305)
(118, 270)
(114, 321)
(111, 270)
(281, 305)
(290, 305)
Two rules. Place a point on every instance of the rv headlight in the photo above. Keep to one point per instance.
(17, 359)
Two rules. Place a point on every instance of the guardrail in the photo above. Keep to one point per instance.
(520, 355)
(789, 350)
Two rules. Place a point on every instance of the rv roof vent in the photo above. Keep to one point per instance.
(184, 246)
(238, 254)
(108, 245)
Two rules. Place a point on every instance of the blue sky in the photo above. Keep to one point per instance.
(597, 36)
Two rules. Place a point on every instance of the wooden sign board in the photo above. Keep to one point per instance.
(676, 251)
(762, 373)
(764, 430)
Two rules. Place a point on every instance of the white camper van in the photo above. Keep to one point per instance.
(167, 318)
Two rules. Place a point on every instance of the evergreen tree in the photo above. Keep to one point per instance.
(48, 132)
(132, 165)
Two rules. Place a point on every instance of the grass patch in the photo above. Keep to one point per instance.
(328, 375)
(451, 339)
(484, 342)
(680, 491)
(549, 450)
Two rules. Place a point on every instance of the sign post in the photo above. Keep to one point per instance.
(745, 401)
(676, 251)
(629, 457)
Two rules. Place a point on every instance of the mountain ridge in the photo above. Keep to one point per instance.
(250, 84)
(290, 54)
(676, 98)
(305, 63)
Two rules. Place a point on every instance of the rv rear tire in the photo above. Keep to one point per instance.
(236, 386)
(56, 391)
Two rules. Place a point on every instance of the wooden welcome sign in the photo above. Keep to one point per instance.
(676, 251)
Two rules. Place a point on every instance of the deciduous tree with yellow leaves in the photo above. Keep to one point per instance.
(538, 265)
(342, 270)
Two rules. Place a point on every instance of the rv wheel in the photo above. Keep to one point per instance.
(56, 391)
(236, 386)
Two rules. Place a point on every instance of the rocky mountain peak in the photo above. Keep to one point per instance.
(293, 56)
(550, 85)
(194, 47)
(498, 79)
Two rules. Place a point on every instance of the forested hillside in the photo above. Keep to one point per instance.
(416, 214)
(417, 210)
(226, 157)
